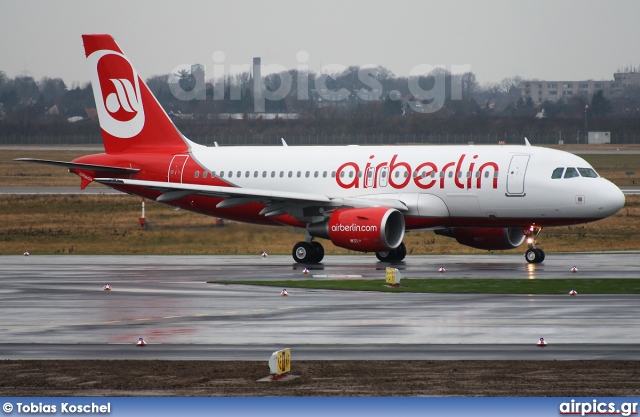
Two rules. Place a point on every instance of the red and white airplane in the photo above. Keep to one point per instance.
(362, 198)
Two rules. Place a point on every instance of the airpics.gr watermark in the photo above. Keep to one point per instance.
(428, 100)
(54, 408)
(574, 407)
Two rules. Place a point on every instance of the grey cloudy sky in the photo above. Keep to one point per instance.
(545, 39)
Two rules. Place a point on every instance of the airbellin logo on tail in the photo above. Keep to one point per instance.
(120, 111)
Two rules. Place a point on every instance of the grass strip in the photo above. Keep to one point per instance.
(465, 285)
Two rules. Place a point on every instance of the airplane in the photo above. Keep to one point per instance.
(361, 198)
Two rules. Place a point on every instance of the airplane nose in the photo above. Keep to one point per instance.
(612, 199)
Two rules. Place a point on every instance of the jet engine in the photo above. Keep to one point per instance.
(496, 238)
(363, 229)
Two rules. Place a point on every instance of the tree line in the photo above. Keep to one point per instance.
(377, 102)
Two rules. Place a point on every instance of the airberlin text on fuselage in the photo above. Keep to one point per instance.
(464, 176)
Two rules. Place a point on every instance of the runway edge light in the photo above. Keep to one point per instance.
(305, 271)
(141, 343)
(574, 269)
(573, 292)
(284, 292)
(264, 255)
(107, 287)
(441, 269)
(542, 342)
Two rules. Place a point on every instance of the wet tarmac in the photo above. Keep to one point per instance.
(55, 307)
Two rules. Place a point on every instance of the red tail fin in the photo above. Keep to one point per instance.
(131, 119)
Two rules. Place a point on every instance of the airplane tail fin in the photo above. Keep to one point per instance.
(131, 119)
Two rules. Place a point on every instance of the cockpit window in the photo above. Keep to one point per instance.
(557, 173)
(571, 173)
(587, 172)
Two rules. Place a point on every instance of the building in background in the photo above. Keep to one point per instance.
(540, 91)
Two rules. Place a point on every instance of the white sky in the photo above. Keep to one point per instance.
(545, 39)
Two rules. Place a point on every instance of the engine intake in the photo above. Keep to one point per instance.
(374, 229)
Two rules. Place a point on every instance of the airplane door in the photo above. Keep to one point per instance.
(516, 174)
(176, 167)
(370, 177)
(383, 174)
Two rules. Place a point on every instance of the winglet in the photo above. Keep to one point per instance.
(284, 142)
(526, 142)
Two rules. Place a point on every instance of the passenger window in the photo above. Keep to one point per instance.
(204, 174)
(306, 174)
(239, 174)
(571, 173)
(213, 174)
(255, 174)
(221, 174)
(299, 174)
(477, 174)
(315, 174)
(384, 174)
(450, 174)
(273, 174)
(350, 174)
(324, 174)
(557, 173)
(333, 174)
(290, 174)
(246, 174)
(397, 173)
(359, 174)
(281, 174)
(230, 174)
(459, 174)
(441, 174)
(495, 174)
(587, 172)
(197, 174)
(264, 174)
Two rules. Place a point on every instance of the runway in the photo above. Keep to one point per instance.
(54, 307)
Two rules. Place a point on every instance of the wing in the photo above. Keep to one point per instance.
(305, 207)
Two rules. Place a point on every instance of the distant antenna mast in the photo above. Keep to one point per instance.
(25, 72)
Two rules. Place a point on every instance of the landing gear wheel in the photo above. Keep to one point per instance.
(393, 255)
(318, 252)
(534, 256)
(308, 253)
(401, 252)
(303, 253)
(384, 256)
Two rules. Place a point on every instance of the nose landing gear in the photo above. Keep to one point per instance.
(533, 255)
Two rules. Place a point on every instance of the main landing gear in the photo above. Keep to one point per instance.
(533, 255)
(393, 255)
(308, 252)
(313, 252)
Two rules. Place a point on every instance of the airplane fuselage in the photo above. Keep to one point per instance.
(442, 186)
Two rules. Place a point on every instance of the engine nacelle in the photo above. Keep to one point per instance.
(496, 238)
(374, 229)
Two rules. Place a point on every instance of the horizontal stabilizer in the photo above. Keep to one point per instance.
(97, 168)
